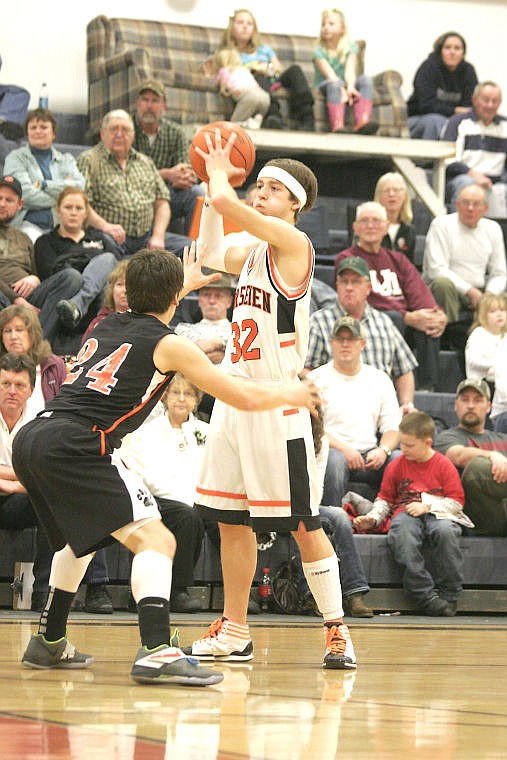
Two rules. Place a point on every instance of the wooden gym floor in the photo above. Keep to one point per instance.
(424, 688)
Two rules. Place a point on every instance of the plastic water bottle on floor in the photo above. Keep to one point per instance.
(265, 591)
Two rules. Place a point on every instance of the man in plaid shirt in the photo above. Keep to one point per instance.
(129, 199)
(385, 347)
(165, 143)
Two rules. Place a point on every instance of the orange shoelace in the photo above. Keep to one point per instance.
(335, 642)
(213, 630)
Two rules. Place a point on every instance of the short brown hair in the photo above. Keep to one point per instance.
(40, 114)
(19, 363)
(153, 280)
(418, 424)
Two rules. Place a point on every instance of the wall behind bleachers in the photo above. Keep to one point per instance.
(47, 41)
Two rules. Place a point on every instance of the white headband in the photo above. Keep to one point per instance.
(286, 179)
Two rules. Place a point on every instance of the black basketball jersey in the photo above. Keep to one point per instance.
(114, 383)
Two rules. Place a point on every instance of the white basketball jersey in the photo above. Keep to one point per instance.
(270, 321)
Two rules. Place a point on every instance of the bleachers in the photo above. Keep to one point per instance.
(484, 558)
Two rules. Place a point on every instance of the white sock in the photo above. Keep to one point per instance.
(151, 575)
(67, 570)
(323, 578)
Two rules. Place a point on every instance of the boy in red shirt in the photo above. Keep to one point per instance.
(421, 491)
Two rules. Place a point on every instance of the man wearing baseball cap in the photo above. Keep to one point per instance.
(481, 457)
(165, 142)
(19, 283)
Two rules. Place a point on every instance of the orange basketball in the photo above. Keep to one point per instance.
(242, 153)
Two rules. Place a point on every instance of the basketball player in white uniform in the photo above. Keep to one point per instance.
(259, 470)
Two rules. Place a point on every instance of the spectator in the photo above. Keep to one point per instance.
(17, 379)
(74, 245)
(361, 414)
(19, 282)
(115, 296)
(20, 333)
(422, 494)
(481, 457)
(238, 83)
(165, 142)
(242, 34)
(392, 192)
(399, 290)
(128, 197)
(42, 171)
(481, 137)
(335, 62)
(443, 86)
(212, 332)
(464, 255)
(166, 452)
(385, 348)
(487, 335)
(13, 106)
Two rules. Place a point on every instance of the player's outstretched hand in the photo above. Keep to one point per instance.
(219, 157)
(192, 268)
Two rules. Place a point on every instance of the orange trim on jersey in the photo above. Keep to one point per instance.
(269, 503)
(287, 343)
(287, 412)
(280, 286)
(139, 407)
(221, 494)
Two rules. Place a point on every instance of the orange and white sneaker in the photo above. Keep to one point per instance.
(224, 641)
(339, 654)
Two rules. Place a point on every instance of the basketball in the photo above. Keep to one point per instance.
(242, 153)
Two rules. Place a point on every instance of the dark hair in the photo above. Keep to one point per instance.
(19, 363)
(153, 280)
(418, 424)
(440, 42)
(40, 114)
(40, 349)
(304, 176)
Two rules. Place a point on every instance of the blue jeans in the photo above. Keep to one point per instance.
(338, 476)
(332, 89)
(405, 539)
(426, 126)
(93, 280)
(62, 285)
(338, 526)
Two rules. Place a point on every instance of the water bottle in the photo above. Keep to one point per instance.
(44, 96)
(265, 590)
(274, 83)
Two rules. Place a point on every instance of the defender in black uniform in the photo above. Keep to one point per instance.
(83, 495)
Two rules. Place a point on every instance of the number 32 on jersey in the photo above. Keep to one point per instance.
(242, 339)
